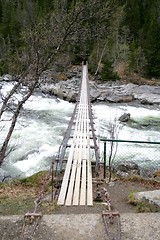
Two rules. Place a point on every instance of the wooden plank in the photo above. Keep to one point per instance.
(89, 170)
(83, 181)
(62, 194)
(77, 184)
(64, 186)
(83, 184)
(78, 173)
(89, 185)
(76, 156)
(72, 180)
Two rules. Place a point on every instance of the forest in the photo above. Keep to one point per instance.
(36, 34)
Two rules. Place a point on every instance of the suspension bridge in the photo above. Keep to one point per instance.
(76, 188)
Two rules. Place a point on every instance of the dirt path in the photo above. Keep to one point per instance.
(84, 223)
(141, 226)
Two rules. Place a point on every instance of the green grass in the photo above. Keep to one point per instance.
(32, 181)
(16, 206)
(140, 206)
(18, 196)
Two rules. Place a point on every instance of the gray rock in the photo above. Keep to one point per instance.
(127, 167)
(102, 97)
(94, 94)
(7, 78)
(103, 94)
(109, 91)
(151, 197)
(122, 174)
(71, 97)
(129, 92)
(148, 98)
(120, 98)
(125, 117)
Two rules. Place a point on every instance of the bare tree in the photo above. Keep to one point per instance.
(42, 42)
(41, 45)
(113, 130)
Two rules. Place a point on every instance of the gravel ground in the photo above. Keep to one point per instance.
(141, 226)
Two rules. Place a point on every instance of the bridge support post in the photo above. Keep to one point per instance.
(104, 160)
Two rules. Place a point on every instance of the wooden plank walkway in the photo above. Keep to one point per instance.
(76, 186)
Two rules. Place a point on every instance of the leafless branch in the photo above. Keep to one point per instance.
(113, 130)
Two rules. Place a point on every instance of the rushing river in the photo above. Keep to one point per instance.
(44, 119)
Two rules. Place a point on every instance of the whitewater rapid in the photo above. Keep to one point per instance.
(44, 120)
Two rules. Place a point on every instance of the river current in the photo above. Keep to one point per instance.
(44, 120)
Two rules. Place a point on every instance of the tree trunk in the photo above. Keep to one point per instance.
(6, 99)
(13, 122)
(100, 60)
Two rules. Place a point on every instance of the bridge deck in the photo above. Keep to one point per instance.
(76, 186)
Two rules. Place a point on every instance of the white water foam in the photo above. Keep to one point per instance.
(108, 113)
(45, 120)
(37, 161)
(44, 103)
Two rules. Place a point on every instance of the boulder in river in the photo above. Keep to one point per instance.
(125, 117)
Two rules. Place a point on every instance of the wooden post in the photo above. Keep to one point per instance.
(52, 179)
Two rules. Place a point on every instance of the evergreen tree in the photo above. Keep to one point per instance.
(107, 72)
(133, 16)
(152, 47)
(134, 30)
(133, 55)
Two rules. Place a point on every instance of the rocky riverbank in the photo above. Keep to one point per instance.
(114, 92)
(66, 86)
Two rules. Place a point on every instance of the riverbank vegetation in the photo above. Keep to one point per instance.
(18, 196)
(110, 35)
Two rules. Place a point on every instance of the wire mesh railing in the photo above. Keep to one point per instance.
(144, 154)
